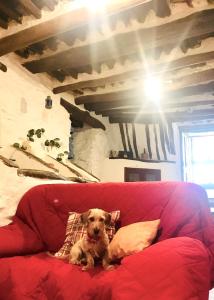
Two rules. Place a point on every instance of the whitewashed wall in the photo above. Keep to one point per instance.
(113, 169)
(92, 147)
(22, 106)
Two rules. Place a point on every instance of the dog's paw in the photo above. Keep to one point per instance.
(109, 267)
(87, 267)
(75, 262)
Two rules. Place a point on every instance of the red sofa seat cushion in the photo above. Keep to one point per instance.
(175, 269)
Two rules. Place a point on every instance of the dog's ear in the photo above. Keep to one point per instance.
(84, 216)
(107, 218)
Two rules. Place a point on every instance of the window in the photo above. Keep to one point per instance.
(198, 157)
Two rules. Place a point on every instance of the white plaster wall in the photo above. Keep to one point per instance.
(92, 147)
(22, 106)
(113, 169)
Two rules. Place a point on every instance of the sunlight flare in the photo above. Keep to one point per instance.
(153, 88)
(94, 5)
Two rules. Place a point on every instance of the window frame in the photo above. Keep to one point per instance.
(194, 129)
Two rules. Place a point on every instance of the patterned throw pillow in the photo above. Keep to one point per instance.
(75, 230)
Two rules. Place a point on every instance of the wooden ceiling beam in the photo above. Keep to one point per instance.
(173, 117)
(30, 7)
(79, 115)
(113, 120)
(199, 26)
(195, 80)
(167, 115)
(140, 11)
(109, 105)
(3, 68)
(67, 21)
(49, 4)
(201, 89)
(161, 106)
(102, 107)
(171, 65)
(3, 23)
(110, 97)
(11, 13)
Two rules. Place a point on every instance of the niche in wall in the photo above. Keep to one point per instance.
(139, 174)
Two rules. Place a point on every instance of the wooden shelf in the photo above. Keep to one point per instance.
(146, 160)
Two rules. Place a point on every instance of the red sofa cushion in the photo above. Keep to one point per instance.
(175, 269)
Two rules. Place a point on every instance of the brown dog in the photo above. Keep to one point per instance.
(95, 243)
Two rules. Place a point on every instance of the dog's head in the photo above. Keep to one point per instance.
(96, 220)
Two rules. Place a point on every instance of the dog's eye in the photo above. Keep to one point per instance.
(91, 219)
(101, 220)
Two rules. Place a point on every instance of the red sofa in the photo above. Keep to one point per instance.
(178, 266)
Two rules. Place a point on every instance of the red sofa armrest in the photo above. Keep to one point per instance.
(177, 268)
(18, 239)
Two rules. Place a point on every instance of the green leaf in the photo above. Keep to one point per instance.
(47, 143)
(31, 132)
(57, 145)
(38, 131)
(39, 135)
(52, 143)
(42, 130)
(66, 152)
(56, 139)
(16, 145)
(31, 139)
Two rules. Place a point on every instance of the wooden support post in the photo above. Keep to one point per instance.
(31, 8)
(3, 23)
(3, 68)
(11, 13)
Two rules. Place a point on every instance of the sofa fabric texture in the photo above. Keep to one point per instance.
(179, 265)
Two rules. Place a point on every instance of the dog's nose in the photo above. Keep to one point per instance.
(96, 231)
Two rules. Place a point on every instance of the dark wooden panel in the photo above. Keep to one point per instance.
(139, 174)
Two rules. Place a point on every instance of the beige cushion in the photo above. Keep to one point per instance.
(133, 238)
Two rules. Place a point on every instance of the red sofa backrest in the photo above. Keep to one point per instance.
(182, 207)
